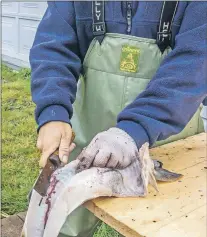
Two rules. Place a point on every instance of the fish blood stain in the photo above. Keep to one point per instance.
(48, 199)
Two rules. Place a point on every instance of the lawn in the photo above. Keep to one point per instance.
(19, 154)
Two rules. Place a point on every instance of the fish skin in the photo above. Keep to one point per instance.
(73, 188)
(35, 219)
(95, 182)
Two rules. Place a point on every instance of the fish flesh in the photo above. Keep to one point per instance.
(69, 188)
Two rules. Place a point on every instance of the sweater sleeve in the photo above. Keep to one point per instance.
(178, 87)
(55, 64)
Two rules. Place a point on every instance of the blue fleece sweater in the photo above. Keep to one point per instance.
(172, 96)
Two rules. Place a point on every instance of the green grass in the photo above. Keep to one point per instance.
(106, 231)
(19, 154)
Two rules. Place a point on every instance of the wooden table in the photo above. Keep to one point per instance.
(179, 210)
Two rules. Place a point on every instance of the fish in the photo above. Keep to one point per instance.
(70, 187)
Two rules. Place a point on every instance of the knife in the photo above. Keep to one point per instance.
(43, 181)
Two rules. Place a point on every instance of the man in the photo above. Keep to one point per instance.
(144, 78)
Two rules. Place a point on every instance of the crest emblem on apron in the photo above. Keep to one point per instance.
(129, 58)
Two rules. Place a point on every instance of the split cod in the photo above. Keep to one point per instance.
(70, 187)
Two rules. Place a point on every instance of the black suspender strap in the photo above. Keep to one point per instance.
(99, 27)
(164, 32)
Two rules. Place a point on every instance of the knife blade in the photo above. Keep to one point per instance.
(43, 181)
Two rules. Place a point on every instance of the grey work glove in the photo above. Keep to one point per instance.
(113, 148)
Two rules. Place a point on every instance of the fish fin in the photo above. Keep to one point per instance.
(166, 175)
(148, 167)
(153, 182)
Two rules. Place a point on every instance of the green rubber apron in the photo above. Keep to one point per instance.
(115, 73)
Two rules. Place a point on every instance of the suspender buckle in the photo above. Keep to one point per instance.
(163, 36)
(99, 28)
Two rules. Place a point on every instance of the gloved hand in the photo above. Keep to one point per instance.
(54, 135)
(113, 148)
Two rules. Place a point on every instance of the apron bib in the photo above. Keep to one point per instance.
(115, 73)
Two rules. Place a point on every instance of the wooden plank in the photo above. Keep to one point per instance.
(192, 224)
(182, 154)
(157, 212)
(110, 220)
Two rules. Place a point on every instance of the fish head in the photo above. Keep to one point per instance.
(153, 169)
(164, 175)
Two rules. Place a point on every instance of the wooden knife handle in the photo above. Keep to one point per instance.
(54, 158)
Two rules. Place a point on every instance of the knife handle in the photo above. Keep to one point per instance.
(54, 158)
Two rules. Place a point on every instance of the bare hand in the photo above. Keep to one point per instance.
(54, 135)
